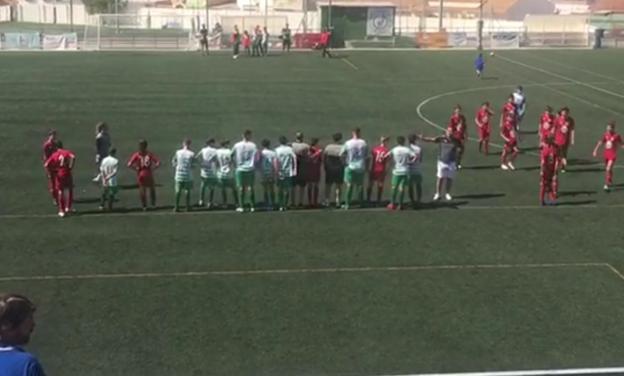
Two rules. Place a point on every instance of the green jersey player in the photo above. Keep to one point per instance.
(225, 173)
(183, 162)
(207, 158)
(414, 180)
(356, 155)
(286, 165)
(268, 173)
(245, 155)
(108, 173)
(402, 157)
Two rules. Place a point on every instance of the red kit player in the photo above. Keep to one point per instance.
(458, 130)
(62, 162)
(611, 142)
(377, 174)
(509, 113)
(549, 160)
(144, 162)
(546, 125)
(510, 149)
(49, 147)
(482, 119)
(564, 135)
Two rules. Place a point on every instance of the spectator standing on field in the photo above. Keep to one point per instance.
(265, 41)
(447, 163)
(256, 49)
(286, 38)
(236, 40)
(334, 169)
(325, 40)
(302, 151)
(102, 146)
(247, 42)
(16, 326)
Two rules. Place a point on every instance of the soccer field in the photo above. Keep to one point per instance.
(488, 282)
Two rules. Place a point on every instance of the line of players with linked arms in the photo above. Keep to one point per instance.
(295, 168)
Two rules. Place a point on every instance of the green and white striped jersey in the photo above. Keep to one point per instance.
(268, 162)
(286, 161)
(183, 161)
(401, 157)
(224, 163)
(207, 160)
(355, 152)
(245, 155)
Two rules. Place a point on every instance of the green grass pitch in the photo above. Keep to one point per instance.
(490, 283)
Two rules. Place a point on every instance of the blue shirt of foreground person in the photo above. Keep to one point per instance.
(16, 325)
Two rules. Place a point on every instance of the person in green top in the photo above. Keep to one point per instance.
(183, 162)
(402, 158)
(286, 38)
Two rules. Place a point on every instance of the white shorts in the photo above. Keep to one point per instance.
(446, 170)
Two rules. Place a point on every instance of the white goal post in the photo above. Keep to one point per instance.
(140, 32)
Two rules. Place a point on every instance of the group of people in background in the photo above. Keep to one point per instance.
(256, 42)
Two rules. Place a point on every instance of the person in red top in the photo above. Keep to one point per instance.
(144, 162)
(611, 142)
(509, 113)
(482, 119)
(548, 170)
(324, 42)
(62, 162)
(510, 149)
(564, 135)
(377, 175)
(459, 131)
(49, 147)
(313, 171)
(546, 125)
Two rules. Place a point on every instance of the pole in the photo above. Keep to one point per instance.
(266, 13)
(441, 21)
(480, 26)
(117, 14)
(208, 24)
(71, 15)
(329, 15)
(305, 17)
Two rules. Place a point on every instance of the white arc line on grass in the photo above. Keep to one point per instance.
(302, 271)
(538, 69)
(551, 372)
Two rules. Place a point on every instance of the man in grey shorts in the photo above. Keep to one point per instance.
(447, 164)
(334, 169)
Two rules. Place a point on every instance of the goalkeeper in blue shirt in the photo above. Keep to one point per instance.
(479, 65)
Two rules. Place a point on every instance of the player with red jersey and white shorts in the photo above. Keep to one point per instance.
(564, 135)
(611, 142)
(482, 119)
(377, 174)
(144, 162)
(510, 149)
(62, 162)
(546, 126)
(549, 159)
(457, 127)
(49, 147)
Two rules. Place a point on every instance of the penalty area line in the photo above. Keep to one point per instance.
(549, 372)
(349, 63)
(260, 272)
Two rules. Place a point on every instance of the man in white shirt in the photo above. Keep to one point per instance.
(286, 166)
(519, 100)
(414, 181)
(109, 167)
(183, 162)
(356, 155)
(402, 158)
(207, 160)
(246, 156)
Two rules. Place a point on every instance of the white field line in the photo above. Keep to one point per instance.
(560, 76)
(550, 372)
(261, 272)
(596, 74)
(349, 63)
(452, 205)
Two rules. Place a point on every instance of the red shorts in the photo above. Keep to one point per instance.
(563, 150)
(610, 159)
(484, 133)
(64, 182)
(146, 180)
(51, 181)
(547, 176)
(378, 175)
(511, 147)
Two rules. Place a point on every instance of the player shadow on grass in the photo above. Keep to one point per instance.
(577, 203)
(580, 162)
(124, 210)
(480, 196)
(489, 78)
(576, 193)
(584, 169)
